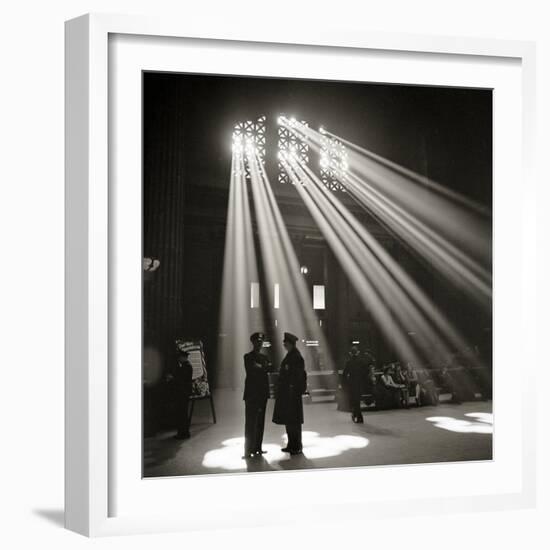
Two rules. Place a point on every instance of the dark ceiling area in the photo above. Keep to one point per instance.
(442, 133)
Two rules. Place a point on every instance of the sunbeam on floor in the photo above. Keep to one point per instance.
(448, 432)
(228, 456)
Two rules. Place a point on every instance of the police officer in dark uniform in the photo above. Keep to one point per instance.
(354, 373)
(182, 381)
(256, 393)
(291, 385)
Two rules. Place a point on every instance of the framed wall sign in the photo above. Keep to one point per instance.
(292, 281)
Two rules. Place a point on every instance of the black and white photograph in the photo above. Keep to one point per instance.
(317, 274)
(275, 275)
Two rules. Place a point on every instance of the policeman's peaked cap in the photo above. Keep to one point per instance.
(257, 336)
(289, 337)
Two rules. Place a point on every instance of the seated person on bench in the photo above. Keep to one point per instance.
(396, 392)
(400, 377)
(449, 385)
(429, 393)
(413, 382)
(370, 380)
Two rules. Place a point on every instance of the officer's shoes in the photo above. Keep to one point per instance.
(285, 450)
(296, 452)
(260, 452)
(248, 455)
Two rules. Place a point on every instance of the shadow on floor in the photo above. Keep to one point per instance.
(373, 430)
(295, 462)
(161, 452)
(165, 447)
(56, 517)
(259, 464)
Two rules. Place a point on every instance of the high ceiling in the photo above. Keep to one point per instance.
(444, 133)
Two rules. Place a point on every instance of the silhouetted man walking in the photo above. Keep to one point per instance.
(353, 375)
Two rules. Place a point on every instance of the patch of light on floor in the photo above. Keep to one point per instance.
(229, 455)
(482, 417)
(482, 423)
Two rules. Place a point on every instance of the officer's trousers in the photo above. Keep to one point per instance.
(294, 433)
(254, 425)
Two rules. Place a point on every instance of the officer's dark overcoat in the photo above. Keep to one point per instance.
(354, 376)
(256, 385)
(290, 387)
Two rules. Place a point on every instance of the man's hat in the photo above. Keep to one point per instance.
(289, 337)
(257, 336)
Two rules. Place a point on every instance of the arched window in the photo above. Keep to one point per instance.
(291, 143)
(250, 136)
(334, 163)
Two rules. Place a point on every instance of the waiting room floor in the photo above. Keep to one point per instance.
(444, 433)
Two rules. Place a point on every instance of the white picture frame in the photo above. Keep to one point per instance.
(91, 399)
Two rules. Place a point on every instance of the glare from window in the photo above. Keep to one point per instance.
(276, 295)
(318, 296)
(254, 295)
